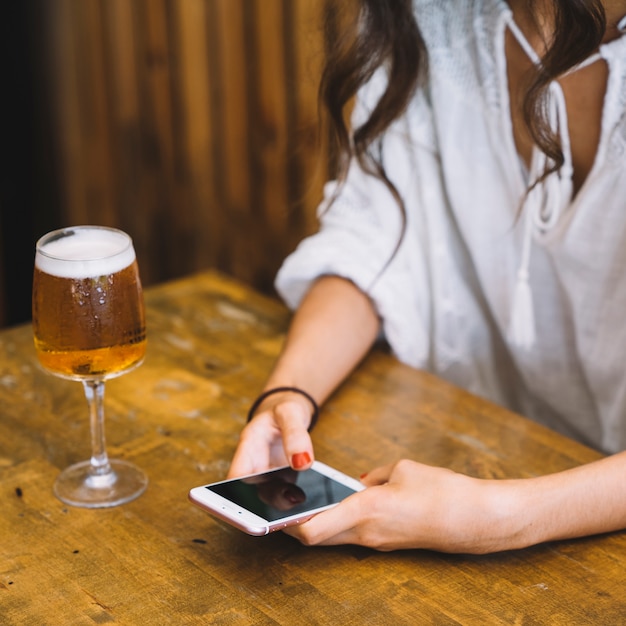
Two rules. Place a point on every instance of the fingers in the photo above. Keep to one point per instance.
(248, 459)
(241, 465)
(257, 448)
(378, 476)
(276, 436)
(353, 521)
(406, 505)
(332, 527)
(371, 518)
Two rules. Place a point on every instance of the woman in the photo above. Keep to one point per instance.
(480, 225)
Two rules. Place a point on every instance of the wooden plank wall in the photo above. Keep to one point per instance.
(191, 124)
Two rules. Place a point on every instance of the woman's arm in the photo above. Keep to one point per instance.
(410, 505)
(333, 329)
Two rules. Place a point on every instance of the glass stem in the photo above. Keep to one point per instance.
(94, 391)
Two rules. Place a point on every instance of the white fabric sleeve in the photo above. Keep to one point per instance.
(359, 239)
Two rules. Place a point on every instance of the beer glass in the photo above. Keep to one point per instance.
(89, 325)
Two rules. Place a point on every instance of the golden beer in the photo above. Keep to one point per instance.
(88, 313)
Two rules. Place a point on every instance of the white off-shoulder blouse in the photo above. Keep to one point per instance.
(446, 299)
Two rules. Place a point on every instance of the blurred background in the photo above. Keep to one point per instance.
(190, 124)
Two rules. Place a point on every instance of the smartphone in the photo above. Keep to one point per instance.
(262, 503)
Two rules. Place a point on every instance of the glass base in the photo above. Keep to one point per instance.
(78, 486)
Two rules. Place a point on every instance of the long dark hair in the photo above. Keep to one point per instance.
(579, 26)
(373, 33)
(385, 33)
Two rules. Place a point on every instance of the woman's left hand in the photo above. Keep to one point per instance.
(411, 505)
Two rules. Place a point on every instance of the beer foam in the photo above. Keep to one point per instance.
(85, 253)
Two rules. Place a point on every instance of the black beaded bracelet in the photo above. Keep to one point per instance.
(269, 392)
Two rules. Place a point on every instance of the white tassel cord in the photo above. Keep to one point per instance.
(544, 204)
(522, 323)
(522, 330)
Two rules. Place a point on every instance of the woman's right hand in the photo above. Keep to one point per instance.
(332, 330)
(276, 436)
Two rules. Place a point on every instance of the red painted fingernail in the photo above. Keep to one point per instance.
(299, 460)
(362, 476)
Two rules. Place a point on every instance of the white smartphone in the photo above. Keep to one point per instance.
(262, 503)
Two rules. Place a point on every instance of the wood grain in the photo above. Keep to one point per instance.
(192, 125)
(160, 560)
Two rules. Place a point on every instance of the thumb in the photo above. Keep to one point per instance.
(293, 419)
(378, 476)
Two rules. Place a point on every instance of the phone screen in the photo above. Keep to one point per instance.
(281, 493)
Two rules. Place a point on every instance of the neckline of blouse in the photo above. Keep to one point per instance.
(615, 48)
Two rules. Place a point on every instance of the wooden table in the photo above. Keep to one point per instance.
(160, 560)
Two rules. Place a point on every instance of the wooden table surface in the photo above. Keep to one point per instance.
(160, 560)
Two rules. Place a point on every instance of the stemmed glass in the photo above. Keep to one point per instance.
(89, 325)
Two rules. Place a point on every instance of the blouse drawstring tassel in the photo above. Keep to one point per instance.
(522, 332)
(522, 323)
(544, 204)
